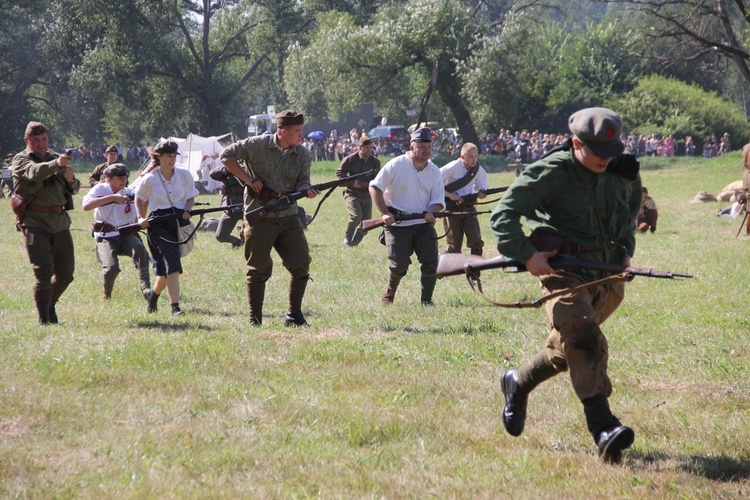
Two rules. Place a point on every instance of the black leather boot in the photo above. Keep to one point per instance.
(609, 434)
(516, 386)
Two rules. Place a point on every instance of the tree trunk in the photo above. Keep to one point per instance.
(447, 85)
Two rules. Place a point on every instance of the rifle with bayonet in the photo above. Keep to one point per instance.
(369, 224)
(130, 229)
(454, 264)
(284, 200)
(472, 198)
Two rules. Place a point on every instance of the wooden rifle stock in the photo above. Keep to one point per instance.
(369, 224)
(471, 198)
(453, 264)
(131, 229)
(254, 216)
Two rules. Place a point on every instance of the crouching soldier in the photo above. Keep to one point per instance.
(113, 207)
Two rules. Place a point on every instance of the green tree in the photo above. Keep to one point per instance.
(23, 73)
(666, 106)
(535, 76)
(698, 29)
(381, 59)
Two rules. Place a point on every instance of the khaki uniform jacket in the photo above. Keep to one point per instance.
(561, 196)
(32, 175)
(280, 172)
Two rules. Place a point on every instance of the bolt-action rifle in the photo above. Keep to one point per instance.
(284, 200)
(369, 224)
(453, 264)
(129, 229)
(472, 198)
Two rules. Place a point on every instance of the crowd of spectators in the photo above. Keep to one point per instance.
(527, 147)
(337, 145)
(519, 146)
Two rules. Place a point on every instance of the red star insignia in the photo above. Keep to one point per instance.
(610, 132)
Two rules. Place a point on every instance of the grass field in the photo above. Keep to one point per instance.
(398, 402)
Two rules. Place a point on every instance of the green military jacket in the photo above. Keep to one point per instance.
(280, 172)
(563, 197)
(32, 175)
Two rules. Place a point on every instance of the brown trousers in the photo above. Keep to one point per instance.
(457, 227)
(576, 343)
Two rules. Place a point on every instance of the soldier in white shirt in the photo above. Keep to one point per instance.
(471, 179)
(410, 183)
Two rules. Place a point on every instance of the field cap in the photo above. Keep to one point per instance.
(117, 170)
(111, 149)
(35, 128)
(599, 129)
(423, 134)
(365, 141)
(289, 117)
(165, 146)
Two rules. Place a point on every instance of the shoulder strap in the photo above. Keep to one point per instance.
(463, 181)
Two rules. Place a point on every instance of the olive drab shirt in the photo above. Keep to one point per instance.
(560, 195)
(280, 172)
(32, 175)
(354, 164)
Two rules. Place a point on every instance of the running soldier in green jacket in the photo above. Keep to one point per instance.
(584, 195)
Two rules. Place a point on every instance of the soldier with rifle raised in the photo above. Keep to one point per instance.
(581, 200)
(410, 183)
(280, 164)
(464, 177)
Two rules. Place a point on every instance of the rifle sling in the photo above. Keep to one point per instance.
(317, 209)
(476, 285)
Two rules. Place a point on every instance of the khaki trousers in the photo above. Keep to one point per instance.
(286, 236)
(359, 208)
(457, 227)
(576, 343)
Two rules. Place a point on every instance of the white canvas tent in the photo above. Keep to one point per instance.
(192, 149)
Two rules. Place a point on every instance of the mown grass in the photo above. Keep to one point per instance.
(371, 401)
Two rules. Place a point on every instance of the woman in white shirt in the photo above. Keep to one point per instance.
(163, 190)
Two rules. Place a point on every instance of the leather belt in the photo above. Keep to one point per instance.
(569, 248)
(103, 227)
(55, 209)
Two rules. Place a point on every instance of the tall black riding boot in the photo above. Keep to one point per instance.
(58, 288)
(294, 316)
(42, 300)
(256, 292)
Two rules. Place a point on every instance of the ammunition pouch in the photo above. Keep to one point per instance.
(19, 206)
